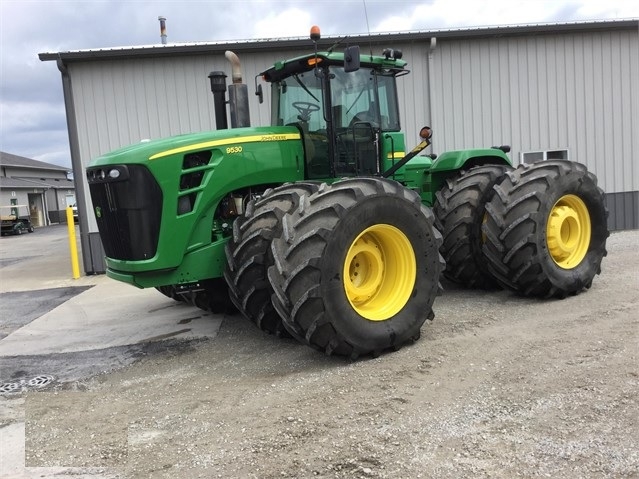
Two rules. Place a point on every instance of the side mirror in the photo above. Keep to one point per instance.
(504, 148)
(351, 59)
(258, 90)
(260, 93)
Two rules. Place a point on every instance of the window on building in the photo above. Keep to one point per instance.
(533, 156)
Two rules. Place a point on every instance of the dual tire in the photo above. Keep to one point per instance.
(546, 229)
(249, 256)
(460, 209)
(539, 229)
(355, 268)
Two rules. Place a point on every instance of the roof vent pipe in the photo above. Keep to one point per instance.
(162, 29)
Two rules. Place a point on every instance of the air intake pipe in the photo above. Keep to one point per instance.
(218, 87)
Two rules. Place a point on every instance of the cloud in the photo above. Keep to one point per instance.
(31, 115)
(608, 9)
(292, 22)
(444, 14)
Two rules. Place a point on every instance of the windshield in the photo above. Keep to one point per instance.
(299, 99)
(361, 96)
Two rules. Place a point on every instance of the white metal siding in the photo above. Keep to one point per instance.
(120, 103)
(565, 91)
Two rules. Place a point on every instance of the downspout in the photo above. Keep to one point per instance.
(76, 165)
(45, 206)
(431, 77)
(57, 203)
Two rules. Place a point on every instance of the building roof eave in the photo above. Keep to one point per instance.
(203, 48)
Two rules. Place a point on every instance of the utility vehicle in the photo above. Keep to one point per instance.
(15, 219)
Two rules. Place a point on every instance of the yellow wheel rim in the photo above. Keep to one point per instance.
(568, 231)
(379, 272)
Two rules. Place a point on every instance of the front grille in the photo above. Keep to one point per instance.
(127, 203)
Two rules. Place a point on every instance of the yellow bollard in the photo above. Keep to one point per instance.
(73, 247)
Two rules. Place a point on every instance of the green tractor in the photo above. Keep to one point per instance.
(322, 226)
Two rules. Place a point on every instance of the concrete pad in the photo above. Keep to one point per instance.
(110, 314)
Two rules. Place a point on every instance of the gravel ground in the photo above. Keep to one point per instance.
(498, 386)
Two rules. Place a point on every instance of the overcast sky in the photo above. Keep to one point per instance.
(32, 118)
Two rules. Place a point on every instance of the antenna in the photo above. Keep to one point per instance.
(370, 42)
(330, 50)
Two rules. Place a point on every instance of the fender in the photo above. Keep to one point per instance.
(450, 163)
(458, 159)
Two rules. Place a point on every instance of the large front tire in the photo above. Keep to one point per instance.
(248, 254)
(213, 297)
(546, 229)
(170, 292)
(357, 268)
(460, 210)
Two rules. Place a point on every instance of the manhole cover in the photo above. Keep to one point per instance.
(20, 385)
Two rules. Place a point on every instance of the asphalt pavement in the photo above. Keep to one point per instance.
(56, 330)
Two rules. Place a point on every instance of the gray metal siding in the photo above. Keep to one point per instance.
(577, 91)
(623, 209)
(413, 91)
(122, 102)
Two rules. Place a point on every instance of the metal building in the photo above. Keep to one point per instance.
(566, 90)
(45, 188)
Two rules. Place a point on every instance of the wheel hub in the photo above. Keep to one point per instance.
(366, 269)
(568, 231)
(379, 272)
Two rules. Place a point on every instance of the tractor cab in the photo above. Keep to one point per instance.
(346, 111)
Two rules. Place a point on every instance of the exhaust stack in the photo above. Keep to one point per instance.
(236, 73)
(238, 94)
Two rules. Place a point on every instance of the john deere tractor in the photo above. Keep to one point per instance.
(322, 226)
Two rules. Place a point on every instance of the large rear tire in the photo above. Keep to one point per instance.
(357, 268)
(460, 210)
(249, 255)
(546, 229)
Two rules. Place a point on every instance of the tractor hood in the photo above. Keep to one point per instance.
(151, 150)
